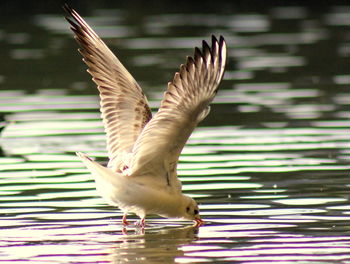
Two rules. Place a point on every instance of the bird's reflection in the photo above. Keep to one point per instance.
(153, 244)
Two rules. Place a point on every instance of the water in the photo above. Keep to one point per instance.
(269, 166)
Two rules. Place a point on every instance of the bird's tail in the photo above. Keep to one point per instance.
(90, 164)
(97, 170)
(107, 181)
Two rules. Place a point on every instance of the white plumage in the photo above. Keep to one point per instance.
(143, 151)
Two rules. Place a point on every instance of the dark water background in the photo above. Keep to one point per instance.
(269, 166)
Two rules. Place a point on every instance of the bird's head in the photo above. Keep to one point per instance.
(190, 211)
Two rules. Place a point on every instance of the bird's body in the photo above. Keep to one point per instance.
(141, 195)
(143, 150)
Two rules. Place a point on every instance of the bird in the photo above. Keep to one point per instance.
(143, 150)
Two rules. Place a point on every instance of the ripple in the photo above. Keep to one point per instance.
(268, 167)
(309, 201)
(264, 62)
(231, 206)
(220, 186)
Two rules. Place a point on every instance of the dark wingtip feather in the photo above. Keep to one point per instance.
(68, 9)
(190, 61)
(197, 54)
(69, 17)
(222, 42)
(221, 39)
(72, 23)
(206, 51)
(213, 40)
(222, 45)
(209, 55)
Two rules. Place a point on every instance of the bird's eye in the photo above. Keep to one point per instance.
(187, 209)
(196, 212)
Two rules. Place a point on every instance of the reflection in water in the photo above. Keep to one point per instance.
(168, 241)
(269, 166)
(45, 189)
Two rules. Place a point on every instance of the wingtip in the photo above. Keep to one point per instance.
(205, 46)
(72, 16)
(213, 39)
(69, 16)
(197, 54)
(222, 42)
(79, 154)
(221, 39)
(67, 8)
(208, 53)
(83, 156)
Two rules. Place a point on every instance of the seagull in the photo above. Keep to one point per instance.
(141, 175)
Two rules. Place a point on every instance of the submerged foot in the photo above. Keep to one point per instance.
(141, 223)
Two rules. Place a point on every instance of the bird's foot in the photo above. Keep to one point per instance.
(125, 222)
(141, 223)
(124, 231)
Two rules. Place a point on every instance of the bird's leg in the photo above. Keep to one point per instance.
(124, 231)
(141, 222)
(125, 222)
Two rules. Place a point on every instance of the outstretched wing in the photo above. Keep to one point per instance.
(124, 107)
(185, 104)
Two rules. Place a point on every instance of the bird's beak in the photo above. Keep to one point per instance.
(199, 222)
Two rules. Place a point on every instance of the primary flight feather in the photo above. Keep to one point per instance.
(143, 152)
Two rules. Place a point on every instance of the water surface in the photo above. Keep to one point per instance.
(269, 166)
